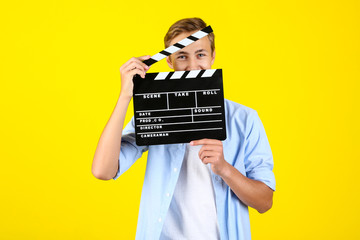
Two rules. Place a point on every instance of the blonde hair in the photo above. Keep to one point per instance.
(187, 25)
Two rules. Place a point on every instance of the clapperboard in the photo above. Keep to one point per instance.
(180, 106)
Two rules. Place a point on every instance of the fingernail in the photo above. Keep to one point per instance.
(191, 143)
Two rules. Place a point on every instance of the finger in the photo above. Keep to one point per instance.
(205, 141)
(206, 154)
(142, 58)
(215, 148)
(145, 57)
(203, 155)
(131, 60)
(136, 65)
(208, 160)
(208, 147)
(137, 71)
(134, 60)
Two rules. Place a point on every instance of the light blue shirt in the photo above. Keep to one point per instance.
(246, 148)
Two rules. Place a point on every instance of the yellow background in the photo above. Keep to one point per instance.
(296, 62)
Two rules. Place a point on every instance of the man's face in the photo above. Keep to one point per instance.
(196, 56)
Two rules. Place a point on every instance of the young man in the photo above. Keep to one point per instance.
(199, 190)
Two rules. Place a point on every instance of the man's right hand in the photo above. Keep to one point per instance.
(127, 72)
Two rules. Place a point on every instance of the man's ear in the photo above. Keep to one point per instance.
(168, 60)
(213, 58)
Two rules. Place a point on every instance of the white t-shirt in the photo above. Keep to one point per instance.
(192, 211)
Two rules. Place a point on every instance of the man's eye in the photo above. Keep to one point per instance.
(201, 55)
(181, 57)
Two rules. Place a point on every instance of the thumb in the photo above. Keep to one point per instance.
(142, 58)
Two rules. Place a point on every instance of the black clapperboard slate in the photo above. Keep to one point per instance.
(178, 107)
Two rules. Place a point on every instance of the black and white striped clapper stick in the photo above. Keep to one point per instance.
(183, 74)
(179, 45)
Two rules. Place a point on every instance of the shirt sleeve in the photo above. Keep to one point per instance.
(129, 151)
(258, 156)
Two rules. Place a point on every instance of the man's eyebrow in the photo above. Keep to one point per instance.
(181, 52)
(200, 50)
(186, 53)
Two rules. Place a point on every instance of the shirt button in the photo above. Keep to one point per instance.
(175, 169)
(159, 219)
(168, 194)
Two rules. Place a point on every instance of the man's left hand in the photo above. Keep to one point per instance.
(212, 152)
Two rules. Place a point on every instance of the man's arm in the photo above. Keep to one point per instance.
(106, 159)
(253, 193)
